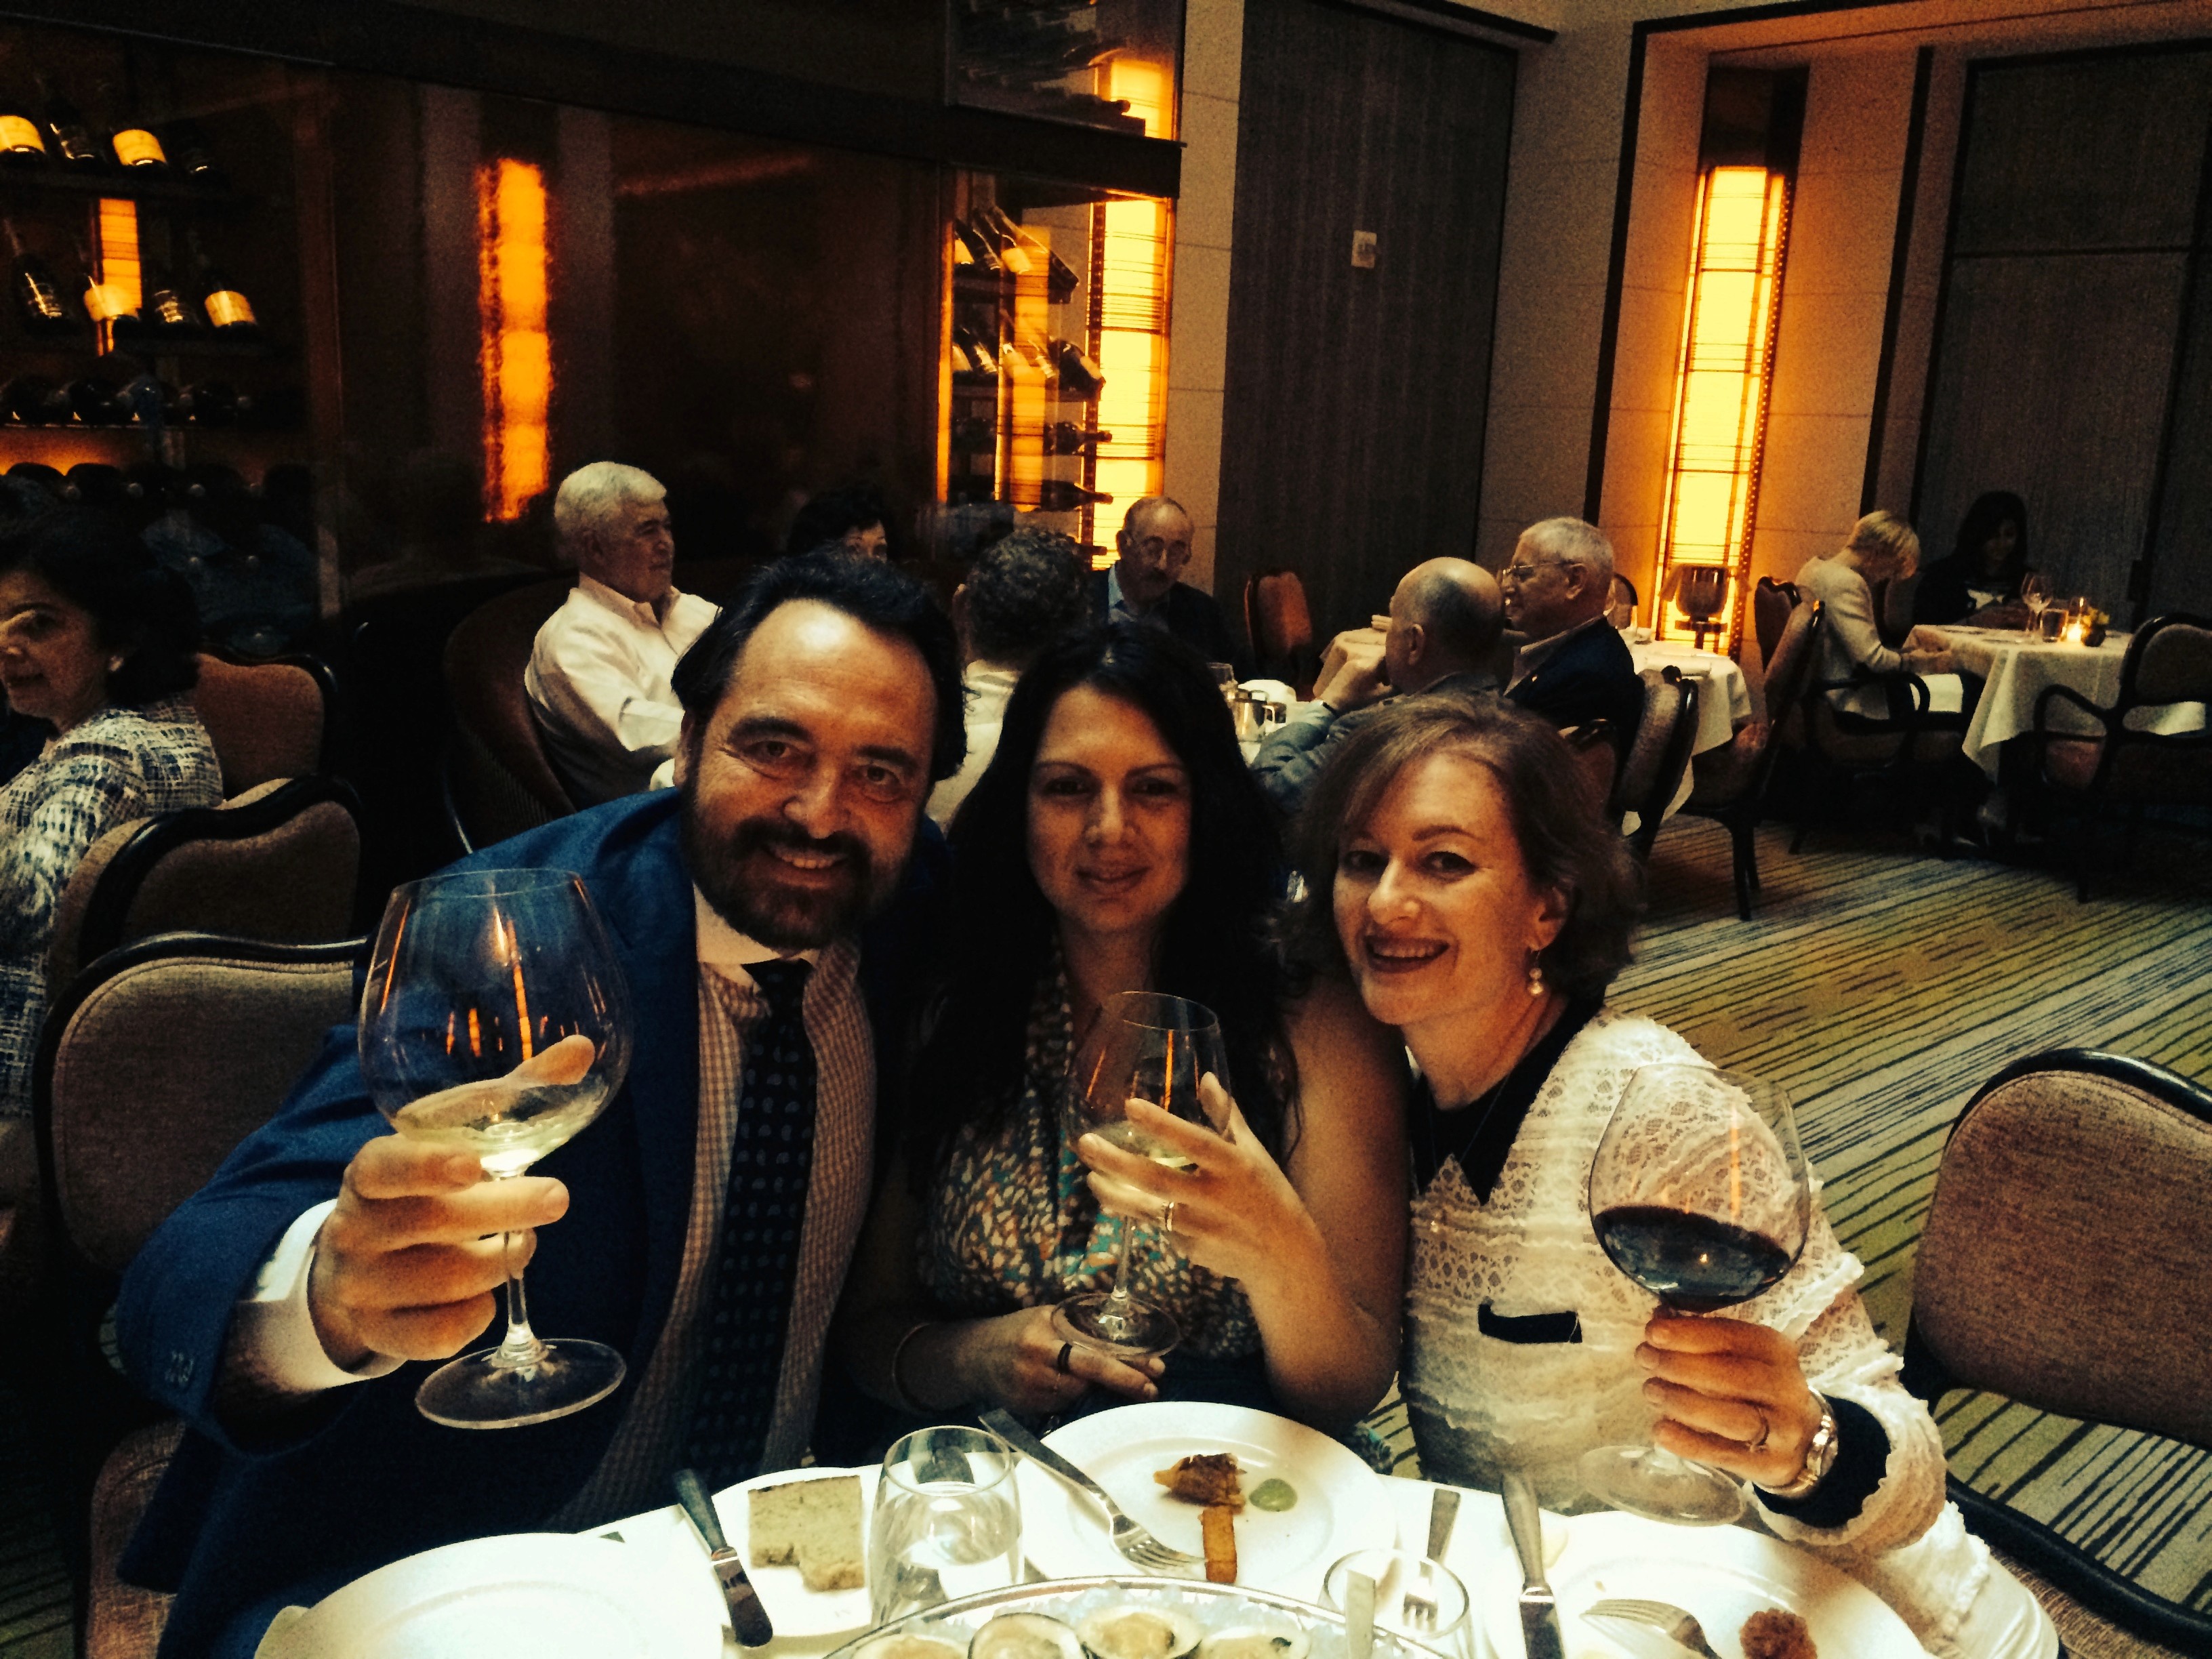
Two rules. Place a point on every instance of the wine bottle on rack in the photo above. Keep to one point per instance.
(982, 359)
(166, 310)
(1079, 374)
(973, 433)
(95, 400)
(228, 312)
(37, 296)
(149, 401)
(74, 145)
(994, 226)
(1060, 275)
(1066, 438)
(105, 303)
(22, 140)
(981, 255)
(137, 146)
(31, 400)
(189, 154)
(1058, 496)
(213, 403)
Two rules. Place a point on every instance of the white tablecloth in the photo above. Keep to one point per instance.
(1723, 702)
(2018, 669)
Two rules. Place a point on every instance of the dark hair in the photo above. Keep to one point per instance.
(1988, 511)
(137, 608)
(1619, 581)
(1558, 823)
(832, 514)
(867, 590)
(1025, 590)
(1001, 936)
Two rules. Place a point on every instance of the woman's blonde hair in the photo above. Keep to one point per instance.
(1883, 535)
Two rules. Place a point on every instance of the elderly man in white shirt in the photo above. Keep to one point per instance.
(599, 675)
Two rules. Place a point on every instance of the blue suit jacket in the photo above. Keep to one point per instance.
(244, 1523)
(1591, 677)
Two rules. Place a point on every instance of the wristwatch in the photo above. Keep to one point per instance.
(1819, 1458)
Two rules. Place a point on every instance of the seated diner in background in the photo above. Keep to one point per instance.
(1445, 621)
(1023, 591)
(599, 674)
(1145, 583)
(1572, 667)
(1882, 548)
(1117, 843)
(1981, 581)
(1458, 873)
(852, 517)
(283, 1311)
(96, 640)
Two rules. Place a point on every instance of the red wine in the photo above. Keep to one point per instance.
(1690, 1262)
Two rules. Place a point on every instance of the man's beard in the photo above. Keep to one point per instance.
(745, 884)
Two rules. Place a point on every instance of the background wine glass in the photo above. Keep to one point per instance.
(495, 1019)
(947, 1521)
(2035, 593)
(1156, 1049)
(1699, 1193)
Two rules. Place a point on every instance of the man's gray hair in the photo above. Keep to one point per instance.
(590, 495)
(1573, 541)
(1144, 507)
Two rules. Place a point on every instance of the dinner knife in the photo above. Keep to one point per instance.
(749, 1620)
(1539, 1608)
(1443, 1510)
(1359, 1616)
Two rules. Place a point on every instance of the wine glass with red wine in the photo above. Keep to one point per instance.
(1699, 1193)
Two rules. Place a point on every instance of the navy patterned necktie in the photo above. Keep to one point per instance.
(763, 1209)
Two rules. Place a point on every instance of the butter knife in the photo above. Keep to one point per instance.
(1540, 1609)
(748, 1618)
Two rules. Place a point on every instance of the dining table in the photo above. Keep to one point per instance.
(2017, 667)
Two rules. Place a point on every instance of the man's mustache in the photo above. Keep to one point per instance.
(759, 835)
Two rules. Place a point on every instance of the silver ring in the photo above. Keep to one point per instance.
(1060, 1364)
(1765, 1428)
(1167, 1216)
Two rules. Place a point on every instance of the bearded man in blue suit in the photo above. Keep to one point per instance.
(289, 1309)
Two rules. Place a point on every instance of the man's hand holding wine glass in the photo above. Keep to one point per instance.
(1731, 1394)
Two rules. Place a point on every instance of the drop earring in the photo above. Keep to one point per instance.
(1536, 973)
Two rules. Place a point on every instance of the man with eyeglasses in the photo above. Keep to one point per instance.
(1572, 667)
(1146, 585)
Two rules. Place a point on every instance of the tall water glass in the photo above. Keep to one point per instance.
(948, 1521)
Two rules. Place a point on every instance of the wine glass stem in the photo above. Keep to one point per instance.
(1114, 1318)
(521, 1348)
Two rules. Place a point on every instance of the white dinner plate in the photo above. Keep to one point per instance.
(523, 1596)
(1342, 1504)
(1721, 1574)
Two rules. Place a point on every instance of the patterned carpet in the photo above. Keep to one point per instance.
(1881, 988)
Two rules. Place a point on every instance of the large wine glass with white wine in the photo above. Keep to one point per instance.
(1155, 1049)
(495, 1019)
(1699, 1192)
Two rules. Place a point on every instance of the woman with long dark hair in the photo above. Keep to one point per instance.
(1117, 843)
(1985, 565)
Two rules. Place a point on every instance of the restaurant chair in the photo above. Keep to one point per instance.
(499, 780)
(1658, 755)
(1597, 757)
(1771, 602)
(2123, 769)
(1729, 785)
(266, 719)
(280, 862)
(1280, 625)
(2062, 1267)
(1905, 757)
(156, 1062)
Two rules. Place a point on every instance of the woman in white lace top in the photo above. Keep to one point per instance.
(96, 640)
(1455, 871)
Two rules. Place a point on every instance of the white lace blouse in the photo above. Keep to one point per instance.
(1480, 1403)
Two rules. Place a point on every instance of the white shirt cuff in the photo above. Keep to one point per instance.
(274, 1329)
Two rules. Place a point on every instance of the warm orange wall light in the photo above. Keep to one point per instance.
(515, 358)
(1720, 387)
(1130, 334)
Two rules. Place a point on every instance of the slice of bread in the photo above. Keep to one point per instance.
(813, 1525)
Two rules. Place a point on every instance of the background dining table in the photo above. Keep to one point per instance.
(2017, 668)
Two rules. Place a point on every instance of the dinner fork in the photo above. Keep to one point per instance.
(1132, 1540)
(1418, 1606)
(1632, 1623)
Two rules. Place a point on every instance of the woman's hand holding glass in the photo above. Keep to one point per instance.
(1732, 1394)
(1231, 1202)
(1014, 1360)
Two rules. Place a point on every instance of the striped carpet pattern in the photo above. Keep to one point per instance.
(1882, 988)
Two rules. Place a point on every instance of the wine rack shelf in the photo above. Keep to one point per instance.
(46, 179)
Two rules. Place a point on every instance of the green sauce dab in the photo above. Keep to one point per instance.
(1274, 1494)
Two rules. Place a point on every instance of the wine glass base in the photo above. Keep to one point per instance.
(1136, 1330)
(1658, 1485)
(476, 1392)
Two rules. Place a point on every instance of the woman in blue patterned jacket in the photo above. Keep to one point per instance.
(97, 640)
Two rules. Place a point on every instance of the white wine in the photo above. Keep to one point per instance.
(1131, 1138)
(509, 1122)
